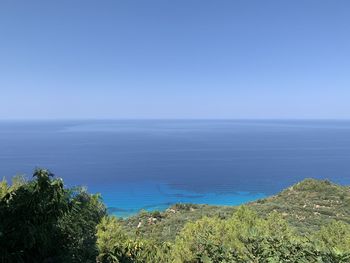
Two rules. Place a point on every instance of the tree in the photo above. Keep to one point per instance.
(115, 245)
(41, 221)
(201, 241)
(78, 226)
(334, 236)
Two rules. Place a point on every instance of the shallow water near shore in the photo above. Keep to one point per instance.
(130, 198)
(151, 164)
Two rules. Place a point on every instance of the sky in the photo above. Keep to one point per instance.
(115, 59)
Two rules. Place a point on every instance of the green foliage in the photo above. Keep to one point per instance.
(29, 220)
(200, 240)
(110, 240)
(172, 220)
(3, 188)
(334, 236)
(247, 237)
(309, 205)
(115, 246)
(41, 221)
(79, 225)
(306, 206)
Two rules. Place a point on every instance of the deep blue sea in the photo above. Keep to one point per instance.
(151, 164)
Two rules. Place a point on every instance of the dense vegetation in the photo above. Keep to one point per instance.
(306, 206)
(42, 221)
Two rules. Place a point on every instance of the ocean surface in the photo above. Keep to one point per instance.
(151, 164)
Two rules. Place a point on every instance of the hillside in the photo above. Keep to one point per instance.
(309, 204)
(306, 205)
(42, 221)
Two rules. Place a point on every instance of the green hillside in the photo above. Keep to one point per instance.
(306, 205)
(43, 221)
(309, 204)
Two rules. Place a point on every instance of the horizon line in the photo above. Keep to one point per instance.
(175, 119)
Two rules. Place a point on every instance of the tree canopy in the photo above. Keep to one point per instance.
(41, 220)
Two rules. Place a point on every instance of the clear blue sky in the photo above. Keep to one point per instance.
(174, 59)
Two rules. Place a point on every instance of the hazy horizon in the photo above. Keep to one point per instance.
(173, 119)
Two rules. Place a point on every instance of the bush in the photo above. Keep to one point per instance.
(41, 221)
(114, 245)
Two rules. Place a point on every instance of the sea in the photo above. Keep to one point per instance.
(152, 164)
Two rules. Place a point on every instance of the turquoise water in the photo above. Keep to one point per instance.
(151, 164)
(154, 196)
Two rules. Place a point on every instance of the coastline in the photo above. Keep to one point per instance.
(149, 197)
